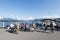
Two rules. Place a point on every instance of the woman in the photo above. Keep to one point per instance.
(26, 27)
(32, 27)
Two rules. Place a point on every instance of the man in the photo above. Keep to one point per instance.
(18, 26)
(52, 26)
(12, 28)
(12, 25)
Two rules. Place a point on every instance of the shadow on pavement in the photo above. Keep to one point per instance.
(44, 32)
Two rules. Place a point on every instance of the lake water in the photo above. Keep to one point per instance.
(8, 23)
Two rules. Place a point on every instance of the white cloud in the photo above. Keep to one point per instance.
(1, 17)
(54, 16)
(12, 16)
(27, 18)
(21, 18)
(30, 18)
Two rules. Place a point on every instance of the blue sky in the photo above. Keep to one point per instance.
(29, 8)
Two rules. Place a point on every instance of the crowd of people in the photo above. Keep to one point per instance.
(14, 28)
(50, 24)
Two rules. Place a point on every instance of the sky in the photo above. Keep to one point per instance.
(29, 9)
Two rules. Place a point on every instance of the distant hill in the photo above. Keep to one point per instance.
(35, 20)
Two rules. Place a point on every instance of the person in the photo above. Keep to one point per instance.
(12, 28)
(52, 26)
(15, 28)
(18, 26)
(32, 27)
(26, 27)
(57, 26)
(45, 25)
(12, 25)
(22, 26)
(8, 27)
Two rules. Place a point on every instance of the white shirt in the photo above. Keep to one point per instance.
(12, 25)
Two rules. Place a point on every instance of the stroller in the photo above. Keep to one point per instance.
(13, 29)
